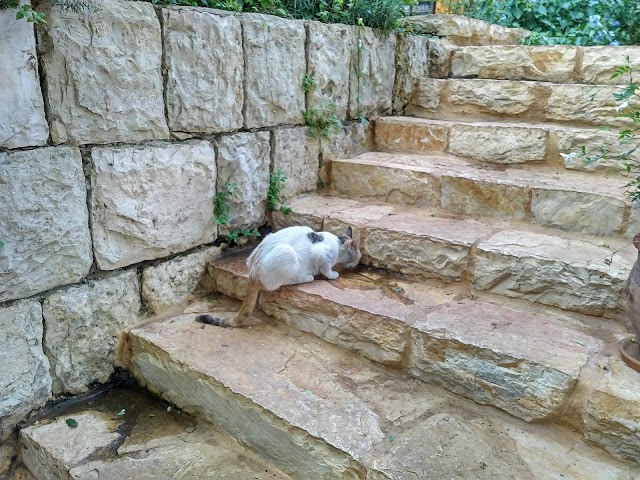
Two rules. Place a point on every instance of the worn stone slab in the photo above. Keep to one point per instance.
(22, 118)
(403, 134)
(170, 283)
(151, 201)
(103, 74)
(205, 70)
(354, 139)
(329, 51)
(612, 414)
(244, 159)
(372, 73)
(593, 105)
(43, 221)
(498, 143)
(275, 66)
(493, 96)
(25, 383)
(297, 154)
(546, 64)
(412, 64)
(570, 274)
(440, 55)
(83, 327)
(599, 63)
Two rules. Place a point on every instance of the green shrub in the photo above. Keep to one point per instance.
(569, 22)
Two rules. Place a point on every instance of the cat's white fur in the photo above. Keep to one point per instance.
(289, 256)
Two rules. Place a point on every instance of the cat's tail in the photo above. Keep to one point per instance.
(247, 308)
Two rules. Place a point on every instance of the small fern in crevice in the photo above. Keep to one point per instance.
(323, 122)
(221, 206)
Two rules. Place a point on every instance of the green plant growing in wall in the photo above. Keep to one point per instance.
(308, 83)
(275, 199)
(322, 122)
(221, 206)
(32, 16)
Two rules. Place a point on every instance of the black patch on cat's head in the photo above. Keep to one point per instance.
(342, 239)
(315, 237)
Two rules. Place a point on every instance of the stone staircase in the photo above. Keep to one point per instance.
(479, 337)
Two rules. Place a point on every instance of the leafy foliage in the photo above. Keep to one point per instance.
(30, 15)
(308, 83)
(570, 22)
(322, 122)
(275, 201)
(221, 206)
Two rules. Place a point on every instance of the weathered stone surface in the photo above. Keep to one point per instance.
(171, 282)
(633, 226)
(412, 65)
(353, 140)
(43, 221)
(520, 363)
(22, 120)
(498, 143)
(25, 383)
(599, 63)
(151, 201)
(275, 66)
(83, 323)
(244, 159)
(402, 134)
(103, 74)
(205, 70)
(429, 92)
(612, 415)
(296, 153)
(329, 51)
(440, 55)
(373, 73)
(547, 64)
(578, 211)
(570, 274)
(500, 97)
(583, 103)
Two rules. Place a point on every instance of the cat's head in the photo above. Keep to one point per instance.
(349, 254)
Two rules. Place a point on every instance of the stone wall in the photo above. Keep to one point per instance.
(115, 128)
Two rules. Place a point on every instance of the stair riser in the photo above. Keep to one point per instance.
(500, 144)
(292, 449)
(588, 213)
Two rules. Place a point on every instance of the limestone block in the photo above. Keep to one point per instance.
(577, 211)
(43, 221)
(353, 140)
(583, 103)
(612, 414)
(599, 63)
(401, 134)
(515, 145)
(151, 201)
(83, 323)
(412, 65)
(244, 159)
(275, 65)
(498, 97)
(103, 74)
(373, 72)
(633, 226)
(205, 70)
(429, 94)
(440, 55)
(22, 119)
(550, 270)
(547, 64)
(25, 383)
(329, 59)
(515, 361)
(171, 282)
(297, 154)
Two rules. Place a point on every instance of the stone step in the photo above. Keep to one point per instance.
(501, 143)
(490, 100)
(320, 412)
(549, 197)
(572, 272)
(557, 64)
(130, 436)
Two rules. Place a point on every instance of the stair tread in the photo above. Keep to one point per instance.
(382, 419)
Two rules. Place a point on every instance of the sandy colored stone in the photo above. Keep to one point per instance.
(243, 159)
(296, 153)
(402, 134)
(205, 69)
(22, 119)
(275, 66)
(593, 105)
(497, 143)
(612, 414)
(428, 95)
(151, 201)
(440, 55)
(493, 96)
(570, 274)
(547, 64)
(83, 325)
(171, 282)
(25, 383)
(43, 221)
(599, 63)
(329, 51)
(354, 139)
(103, 72)
(372, 74)
(412, 65)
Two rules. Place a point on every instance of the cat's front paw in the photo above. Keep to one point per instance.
(308, 279)
(331, 275)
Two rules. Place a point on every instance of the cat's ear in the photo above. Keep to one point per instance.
(348, 232)
(353, 244)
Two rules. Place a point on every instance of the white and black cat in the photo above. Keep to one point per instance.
(290, 256)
